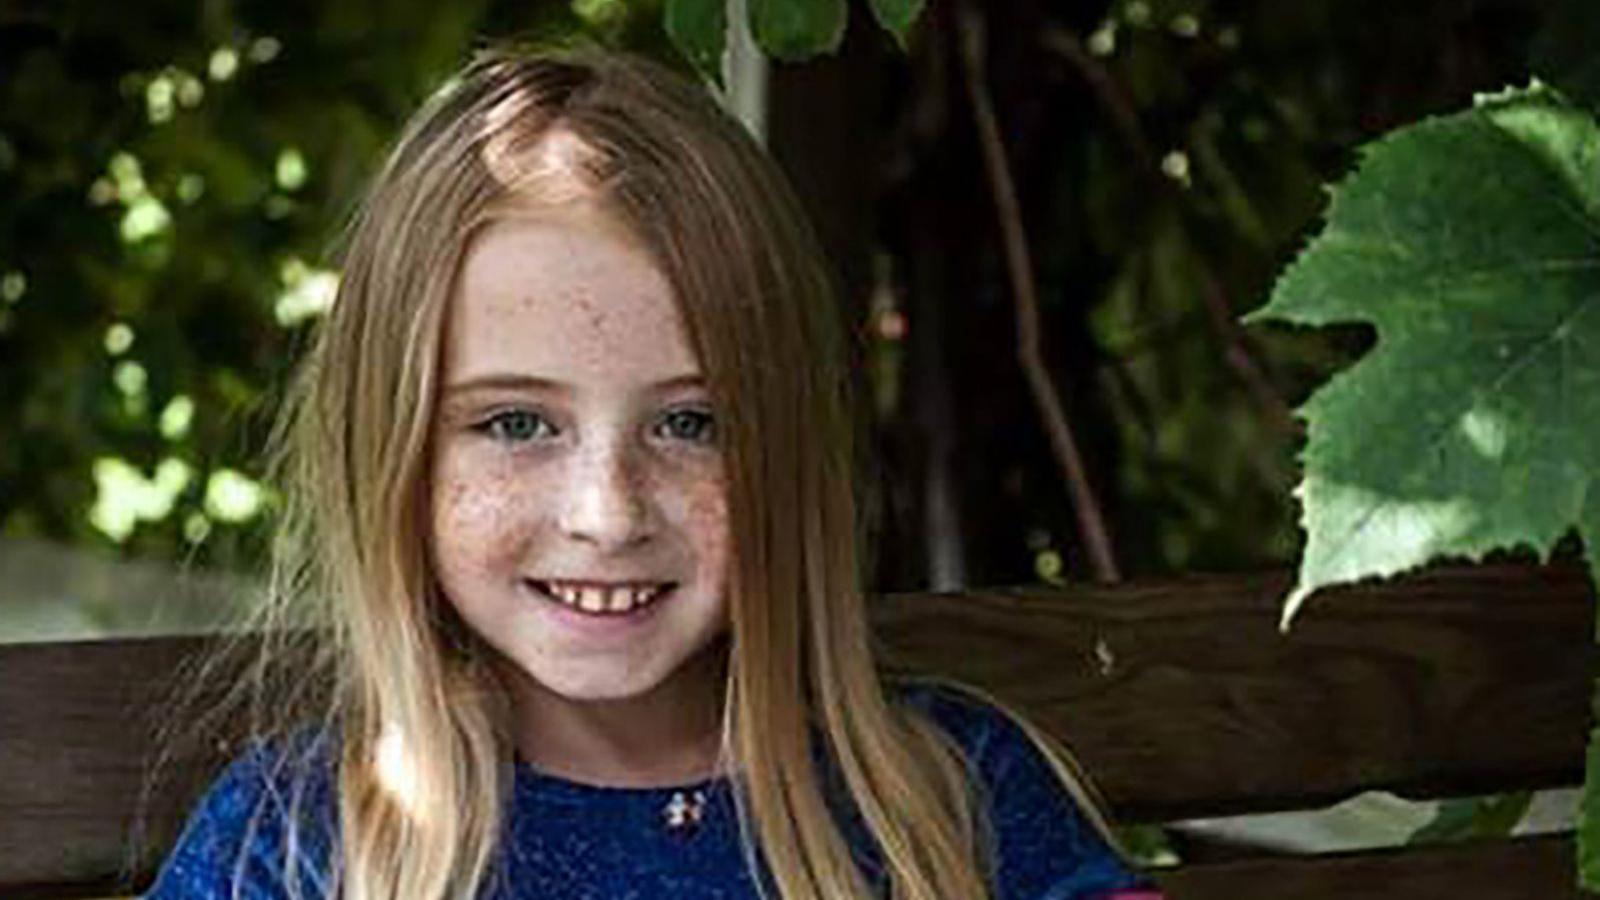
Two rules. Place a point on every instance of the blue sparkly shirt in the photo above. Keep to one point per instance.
(583, 842)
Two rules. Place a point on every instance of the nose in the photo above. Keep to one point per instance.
(607, 503)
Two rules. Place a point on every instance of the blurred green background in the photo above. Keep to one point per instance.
(173, 176)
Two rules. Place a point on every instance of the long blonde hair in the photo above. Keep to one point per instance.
(424, 754)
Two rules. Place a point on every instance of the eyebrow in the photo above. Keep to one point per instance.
(515, 382)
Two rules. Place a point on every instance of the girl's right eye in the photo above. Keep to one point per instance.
(515, 426)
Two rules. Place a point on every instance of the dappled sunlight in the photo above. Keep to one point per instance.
(119, 337)
(558, 167)
(222, 65)
(307, 293)
(132, 382)
(176, 417)
(290, 171)
(1487, 431)
(396, 769)
(12, 286)
(124, 497)
(233, 497)
(1366, 532)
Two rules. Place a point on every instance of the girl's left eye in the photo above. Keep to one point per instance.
(516, 426)
(690, 424)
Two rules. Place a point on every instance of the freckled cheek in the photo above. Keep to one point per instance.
(706, 526)
(478, 525)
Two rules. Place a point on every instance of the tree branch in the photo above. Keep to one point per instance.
(1119, 107)
(1091, 522)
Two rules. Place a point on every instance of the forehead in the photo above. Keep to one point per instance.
(565, 294)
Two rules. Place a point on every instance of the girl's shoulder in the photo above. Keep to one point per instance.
(992, 742)
(272, 804)
(966, 716)
(1043, 842)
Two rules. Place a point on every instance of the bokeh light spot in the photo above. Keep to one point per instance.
(265, 49)
(12, 286)
(119, 337)
(176, 417)
(290, 171)
(232, 497)
(223, 64)
(130, 378)
(158, 99)
(307, 292)
(146, 218)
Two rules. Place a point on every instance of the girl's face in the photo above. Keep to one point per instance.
(579, 515)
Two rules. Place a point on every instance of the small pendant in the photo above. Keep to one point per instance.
(684, 812)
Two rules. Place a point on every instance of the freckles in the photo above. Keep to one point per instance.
(474, 519)
(582, 299)
(706, 520)
(593, 315)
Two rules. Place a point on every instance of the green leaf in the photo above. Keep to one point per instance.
(897, 17)
(1589, 817)
(794, 30)
(699, 29)
(1494, 816)
(1471, 243)
(1589, 530)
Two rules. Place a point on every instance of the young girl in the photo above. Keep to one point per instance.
(570, 492)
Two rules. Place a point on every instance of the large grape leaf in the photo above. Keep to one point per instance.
(1471, 243)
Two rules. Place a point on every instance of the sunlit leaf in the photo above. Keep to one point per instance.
(1471, 244)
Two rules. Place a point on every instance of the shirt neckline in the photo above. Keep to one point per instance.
(548, 784)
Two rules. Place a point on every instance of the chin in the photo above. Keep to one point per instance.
(592, 687)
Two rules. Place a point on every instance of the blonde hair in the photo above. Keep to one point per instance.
(424, 753)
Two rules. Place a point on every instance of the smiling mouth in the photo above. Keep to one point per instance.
(602, 599)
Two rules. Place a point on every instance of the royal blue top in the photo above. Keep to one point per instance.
(583, 842)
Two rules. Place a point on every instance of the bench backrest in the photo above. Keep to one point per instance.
(1180, 697)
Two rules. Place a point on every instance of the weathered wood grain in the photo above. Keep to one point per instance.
(1184, 700)
(77, 729)
(1181, 697)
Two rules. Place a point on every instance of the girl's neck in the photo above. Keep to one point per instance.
(667, 737)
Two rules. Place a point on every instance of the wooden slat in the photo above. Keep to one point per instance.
(77, 722)
(1181, 697)
(1184, 700)
(1525, 869)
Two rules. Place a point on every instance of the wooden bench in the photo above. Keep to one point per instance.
(1181, 697)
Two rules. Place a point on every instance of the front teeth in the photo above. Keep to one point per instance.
(597, 599)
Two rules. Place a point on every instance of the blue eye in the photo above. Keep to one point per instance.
(697, 426)
(516, 426)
